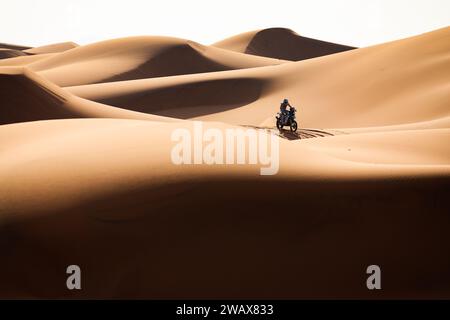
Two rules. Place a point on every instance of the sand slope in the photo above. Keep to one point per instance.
(183, 97)
(10, 53)
(24, 96)
(23, 60)
(280, 43)
(52, 48)
(13, 46)
(140, 57)
(130, 217)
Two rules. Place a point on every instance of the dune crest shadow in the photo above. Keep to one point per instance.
(189, 100)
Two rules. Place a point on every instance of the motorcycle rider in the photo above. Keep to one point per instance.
(283, 110)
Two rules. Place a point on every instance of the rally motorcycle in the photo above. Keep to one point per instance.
(287, 119)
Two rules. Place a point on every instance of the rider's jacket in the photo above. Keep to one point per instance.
(283, 106)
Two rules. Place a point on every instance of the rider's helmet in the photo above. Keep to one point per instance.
(285, 100)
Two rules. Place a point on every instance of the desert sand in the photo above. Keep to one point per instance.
(86, 175)
(10, 51)
(52, 48)
(280, 43)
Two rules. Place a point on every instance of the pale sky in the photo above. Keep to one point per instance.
(352, 22)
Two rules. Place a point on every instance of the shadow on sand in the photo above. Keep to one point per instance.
(300, 134)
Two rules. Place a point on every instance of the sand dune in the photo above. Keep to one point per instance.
(27, 97)
(23, 60)
(28, 55)
(10, 53)
(13, 46)
(345, 86)
(280, 43)
(86, 174)
(184, 97)
(141, 57)
(52, 48)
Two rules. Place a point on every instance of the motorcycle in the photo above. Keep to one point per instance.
(287, 120)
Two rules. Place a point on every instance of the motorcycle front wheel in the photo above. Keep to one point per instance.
(279, 126)
(293, 126)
